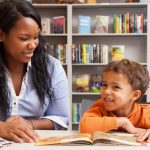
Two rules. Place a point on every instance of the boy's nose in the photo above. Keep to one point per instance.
(107, 91)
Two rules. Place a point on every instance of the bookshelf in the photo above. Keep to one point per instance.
(137, 46)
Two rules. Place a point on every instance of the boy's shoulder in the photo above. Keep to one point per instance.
(143, 108)
(144, 105)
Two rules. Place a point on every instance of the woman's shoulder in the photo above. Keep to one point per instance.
(54, 65)
(53, 60)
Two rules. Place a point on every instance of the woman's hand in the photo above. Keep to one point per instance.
(17, 129)
(18, 119)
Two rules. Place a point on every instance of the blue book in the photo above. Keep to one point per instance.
(84, 24)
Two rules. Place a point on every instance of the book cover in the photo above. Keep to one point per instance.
(84, 24)
(59, 24)
(101, 24)
(82, 83)
(117, 52)
(97, 138)
(95, 83)
(45, 26)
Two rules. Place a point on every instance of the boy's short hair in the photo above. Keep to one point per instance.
(137, 75)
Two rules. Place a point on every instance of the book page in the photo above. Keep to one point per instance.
(79, 138)
(112, 139)
(5, 143)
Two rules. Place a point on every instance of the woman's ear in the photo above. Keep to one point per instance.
(136, 95)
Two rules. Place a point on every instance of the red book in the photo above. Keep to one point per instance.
(59, 24)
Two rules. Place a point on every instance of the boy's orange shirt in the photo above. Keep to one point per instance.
(97, 118)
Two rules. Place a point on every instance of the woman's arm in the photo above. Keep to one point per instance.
(58, 110)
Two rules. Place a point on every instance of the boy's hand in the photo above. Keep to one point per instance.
(126, 124)
(143, 136)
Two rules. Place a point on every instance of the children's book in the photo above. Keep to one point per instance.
(95, 83)
(59, 24)
(101, 24)
(84, 24)
(97, 138)
(117, 52)
(45, 26)
(82, 83)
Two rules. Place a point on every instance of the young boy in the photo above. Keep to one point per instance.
(123, 84)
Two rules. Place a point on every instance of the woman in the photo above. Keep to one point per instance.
(34, 91)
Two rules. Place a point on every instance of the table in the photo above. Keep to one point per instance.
(31, 146)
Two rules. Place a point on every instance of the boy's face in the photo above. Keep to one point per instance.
(117, 93)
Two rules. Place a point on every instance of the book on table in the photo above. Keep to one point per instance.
(97, 138)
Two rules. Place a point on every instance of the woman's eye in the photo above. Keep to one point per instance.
(35, 37)
(24, 39)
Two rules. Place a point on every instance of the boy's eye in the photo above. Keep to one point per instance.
(116, 87)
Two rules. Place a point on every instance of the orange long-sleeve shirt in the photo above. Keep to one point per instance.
(97, 118)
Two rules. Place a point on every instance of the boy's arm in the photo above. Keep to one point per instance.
(95, 123)
(95, 119)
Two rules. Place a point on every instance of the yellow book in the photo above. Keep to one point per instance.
(84, 53)
(91, 1)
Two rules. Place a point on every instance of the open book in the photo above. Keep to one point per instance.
(97, 138)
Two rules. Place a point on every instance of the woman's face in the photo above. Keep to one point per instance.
(21, 40)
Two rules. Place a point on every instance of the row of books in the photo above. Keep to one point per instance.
(123, 23)
(89, 53)
(86, 53)
(87, 83)
(58, 25)
(130, 23)
(59, 51)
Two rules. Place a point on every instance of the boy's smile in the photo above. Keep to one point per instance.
(117, 93)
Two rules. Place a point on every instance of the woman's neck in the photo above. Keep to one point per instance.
(16, 68)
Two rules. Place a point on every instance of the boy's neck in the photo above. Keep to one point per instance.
(125, 110)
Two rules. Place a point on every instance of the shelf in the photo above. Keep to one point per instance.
(54, 34)
(50, 5)
(111, 34)
(84, 93)
(91, 64)
(145, 64)
(110, 5)
(75, 123)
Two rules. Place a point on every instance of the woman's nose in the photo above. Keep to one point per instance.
(32, 44)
